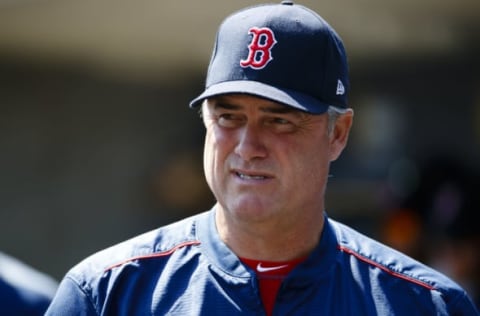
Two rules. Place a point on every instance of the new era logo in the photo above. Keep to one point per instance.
(340, 87)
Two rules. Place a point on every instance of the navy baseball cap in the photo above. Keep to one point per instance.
(282, 52)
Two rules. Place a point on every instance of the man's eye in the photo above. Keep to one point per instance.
(229, 120)
(281, 125)
(281, 121)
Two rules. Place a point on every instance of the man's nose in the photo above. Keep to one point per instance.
(251, 144)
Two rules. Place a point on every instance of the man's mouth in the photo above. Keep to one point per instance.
(250, 177)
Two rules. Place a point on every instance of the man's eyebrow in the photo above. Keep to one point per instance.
(278, 109)
(226, 106)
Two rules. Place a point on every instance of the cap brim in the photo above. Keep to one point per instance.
(291, 98)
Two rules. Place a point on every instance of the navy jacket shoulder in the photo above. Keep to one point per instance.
(186, 269)
(23, 289)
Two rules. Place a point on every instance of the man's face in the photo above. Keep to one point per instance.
(263, 159)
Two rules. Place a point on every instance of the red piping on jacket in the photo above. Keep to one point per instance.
(155, 255)
(383, 268)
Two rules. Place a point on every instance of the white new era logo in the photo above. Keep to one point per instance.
(340, 87)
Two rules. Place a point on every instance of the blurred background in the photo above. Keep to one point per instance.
(97, 143)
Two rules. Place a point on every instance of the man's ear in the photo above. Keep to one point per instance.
(339, 134)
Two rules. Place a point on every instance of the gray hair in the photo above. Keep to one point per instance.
(333, 113)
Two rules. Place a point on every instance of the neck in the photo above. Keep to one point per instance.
(272, 240)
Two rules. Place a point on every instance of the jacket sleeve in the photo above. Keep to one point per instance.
(71, 300)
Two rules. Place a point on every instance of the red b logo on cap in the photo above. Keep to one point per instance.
(259, 50)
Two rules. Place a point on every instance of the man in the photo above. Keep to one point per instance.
(276, 115)
(23, 289)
